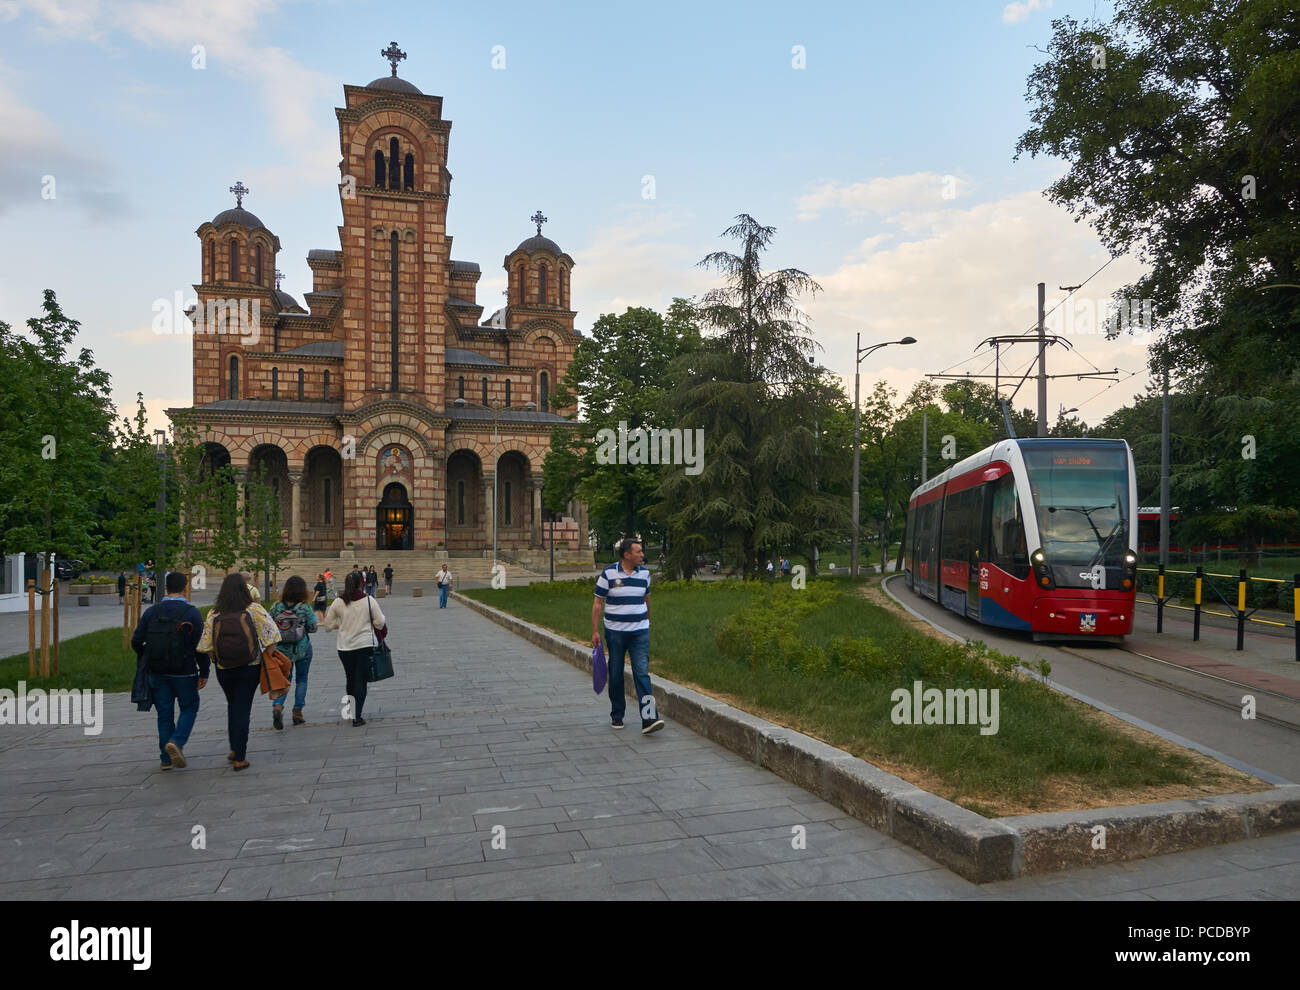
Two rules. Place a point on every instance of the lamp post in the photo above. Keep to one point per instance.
(160, 440)
(859, 353)
(527, 407)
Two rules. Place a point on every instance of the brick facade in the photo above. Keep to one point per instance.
(350, 401)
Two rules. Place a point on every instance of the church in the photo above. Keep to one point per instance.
(388, 414)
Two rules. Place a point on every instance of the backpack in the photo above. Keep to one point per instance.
(234, 639)
(167, 642)
(293, 628)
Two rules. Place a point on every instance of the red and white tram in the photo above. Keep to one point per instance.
(1034, 534)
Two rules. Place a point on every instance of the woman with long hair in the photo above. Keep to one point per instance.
(296, 622)
(235, 633)
(322, 591)
(356, 616)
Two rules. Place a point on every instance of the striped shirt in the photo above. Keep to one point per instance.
(624, 595)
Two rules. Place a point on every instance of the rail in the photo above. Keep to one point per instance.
(1240, 612)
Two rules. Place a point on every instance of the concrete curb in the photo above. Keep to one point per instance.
(977, 848)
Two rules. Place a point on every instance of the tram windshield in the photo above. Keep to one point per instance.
(1081, 502)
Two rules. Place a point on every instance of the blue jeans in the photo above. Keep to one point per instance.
(637, 646)
(442, 595)
(167, 690)
(300, 670)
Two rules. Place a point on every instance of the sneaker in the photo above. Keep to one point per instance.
(649, 725)
(277, 716)
(616, 723)
(174, 751)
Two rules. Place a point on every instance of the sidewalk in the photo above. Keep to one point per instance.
(480, 737)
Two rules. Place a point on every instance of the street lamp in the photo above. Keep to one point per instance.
(527, 407)
(861, 352)
(160, 441)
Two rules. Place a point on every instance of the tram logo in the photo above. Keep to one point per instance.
(1096, 577)
(1087, 622)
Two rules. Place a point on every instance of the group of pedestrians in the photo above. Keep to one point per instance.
(176, 649)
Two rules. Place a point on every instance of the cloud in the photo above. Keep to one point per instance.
(628, 263)
(954, 278)
(289, 94)
(38, 168)
(1013, 13)
(883, 196)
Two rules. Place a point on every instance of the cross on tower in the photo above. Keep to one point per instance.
(279, 277)
(394, 55)
(538, 219)
(240, 191)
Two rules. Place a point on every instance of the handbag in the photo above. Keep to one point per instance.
(599, 668)
(381, 657)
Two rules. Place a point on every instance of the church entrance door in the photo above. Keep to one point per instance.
(394, 524)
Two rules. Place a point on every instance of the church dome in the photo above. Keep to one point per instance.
(539, 243)
(394, 85)
(240, 216)
(286, 301)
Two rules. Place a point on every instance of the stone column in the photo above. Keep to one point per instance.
(295, 528)
(488, 519)
(537, 511)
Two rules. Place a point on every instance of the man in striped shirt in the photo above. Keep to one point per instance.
(623, 588)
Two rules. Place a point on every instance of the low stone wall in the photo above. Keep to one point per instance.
(977, 848)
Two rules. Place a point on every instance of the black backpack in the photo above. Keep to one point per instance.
(234, 640)
(168, 644)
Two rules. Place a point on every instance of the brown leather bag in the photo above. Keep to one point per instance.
(276, 672)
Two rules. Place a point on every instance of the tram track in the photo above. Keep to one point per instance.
(1283, 711)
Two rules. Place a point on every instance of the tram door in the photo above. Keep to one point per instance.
(977, 514)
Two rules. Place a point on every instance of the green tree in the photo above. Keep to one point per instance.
(618, 377)
(754, 391)
(264, 545)
(1180, 124)
(58, 419)
(135, 475)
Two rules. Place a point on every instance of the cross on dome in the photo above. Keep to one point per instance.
(394, 55)
(279, 277)
(538, 219)
(240, 191)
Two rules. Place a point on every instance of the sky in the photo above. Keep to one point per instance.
(877, 138)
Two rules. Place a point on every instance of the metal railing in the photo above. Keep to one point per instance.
(1238, 611)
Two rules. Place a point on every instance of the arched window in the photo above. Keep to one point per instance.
(257, 264)
(381, 172)
(394, 165)
(559, 286)
(212, 261)
(460, 503)
(302, 381)
(523, 282)
(460, 386)
(275, 383)
(325, 394)
(485, 394)
(507, 391)
(541, 284)
(234, 260)
(507, 522)
(408, 173)
(328, 493)
(545, 392)
(232, 384)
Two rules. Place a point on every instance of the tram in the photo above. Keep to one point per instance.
(1035, 534)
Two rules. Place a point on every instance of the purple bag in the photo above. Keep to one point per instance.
(599, 668)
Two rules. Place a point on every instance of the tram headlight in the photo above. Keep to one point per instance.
(1041, 571)
(1130, 560)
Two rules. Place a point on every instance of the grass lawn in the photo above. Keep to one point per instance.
(91, 660)
(827, 660)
